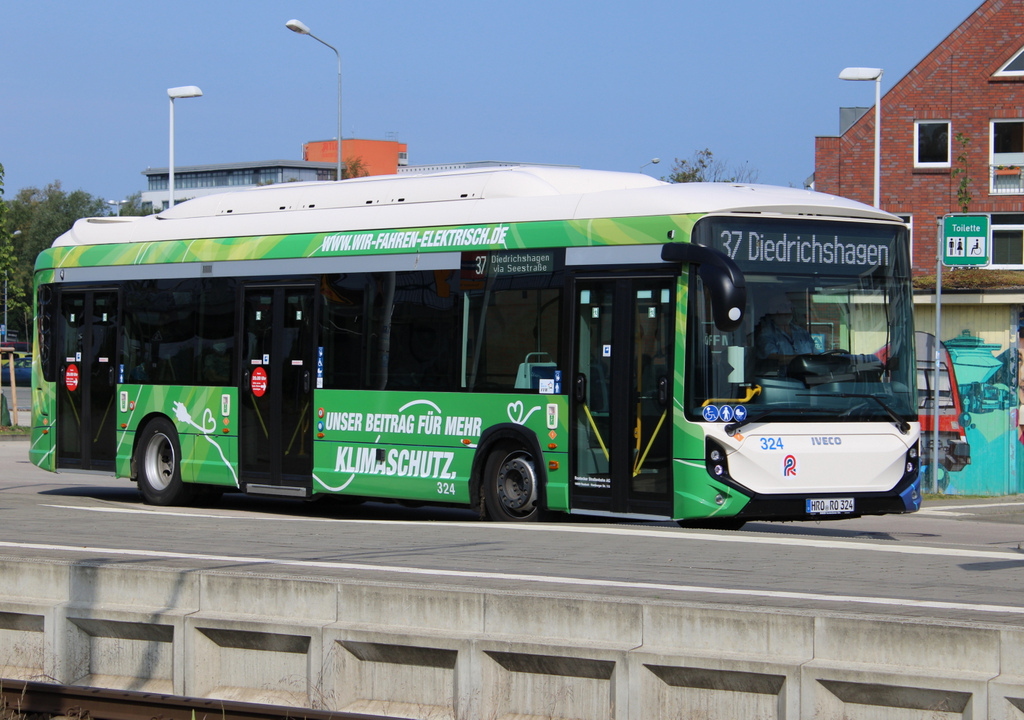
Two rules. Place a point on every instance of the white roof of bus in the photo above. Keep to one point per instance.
(465, 197)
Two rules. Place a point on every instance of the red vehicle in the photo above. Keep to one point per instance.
(954, 451)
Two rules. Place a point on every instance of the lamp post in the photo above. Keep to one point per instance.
(14, 234)
(652, 161)
(117, 205)
(185, 91)
(862, 73)
(299, 27)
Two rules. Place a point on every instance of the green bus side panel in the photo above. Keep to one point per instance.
(41, 452)
(697, 494)
(212, 459)
(427, 473)
(392, 241)
(415, 446)
(206, 421)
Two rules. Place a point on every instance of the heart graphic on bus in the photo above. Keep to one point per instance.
(516, 409)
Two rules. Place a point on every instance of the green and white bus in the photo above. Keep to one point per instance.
(521, 341)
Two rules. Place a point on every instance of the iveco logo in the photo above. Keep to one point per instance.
(826, 440)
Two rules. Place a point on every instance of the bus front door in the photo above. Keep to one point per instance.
(623, 406)
(275, 437)
(86, 381)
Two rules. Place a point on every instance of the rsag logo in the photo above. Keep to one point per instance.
(789, 466)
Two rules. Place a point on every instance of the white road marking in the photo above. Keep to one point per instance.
(628, 530)
(954, 510)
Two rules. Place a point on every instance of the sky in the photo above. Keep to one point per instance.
(608, 86)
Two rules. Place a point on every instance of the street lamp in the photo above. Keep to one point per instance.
(117, 205)
(14, 234)
(299, 27)
(862, 73)
(185, 91)
(652, 161)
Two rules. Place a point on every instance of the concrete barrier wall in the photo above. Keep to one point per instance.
(424, 652)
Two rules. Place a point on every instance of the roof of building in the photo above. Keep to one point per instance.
(252, 165)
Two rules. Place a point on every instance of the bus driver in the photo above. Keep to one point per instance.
(778, 336)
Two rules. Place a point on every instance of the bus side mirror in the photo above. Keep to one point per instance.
(722, 278)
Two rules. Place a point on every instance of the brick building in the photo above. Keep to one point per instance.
(970, 86)
(958, 114)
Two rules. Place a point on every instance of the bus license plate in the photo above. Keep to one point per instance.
(829, 506)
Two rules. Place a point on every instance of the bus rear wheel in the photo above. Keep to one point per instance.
(510, 485)
(158, 465)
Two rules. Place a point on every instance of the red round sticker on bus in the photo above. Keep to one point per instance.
(71, 377)
(258, 382)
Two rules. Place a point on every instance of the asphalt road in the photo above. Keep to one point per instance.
(957, 559)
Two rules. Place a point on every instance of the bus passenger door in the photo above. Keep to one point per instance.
(622, 388)
(86, 380)
(275, 437)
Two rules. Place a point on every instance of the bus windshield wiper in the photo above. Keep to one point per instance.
(902, 425)
(731, 428)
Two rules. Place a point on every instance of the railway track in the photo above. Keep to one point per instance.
(21, 700)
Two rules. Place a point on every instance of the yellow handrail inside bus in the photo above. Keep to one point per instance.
(298, 427)
(74, 409)
(640, 459)
(752, 392)
(103, 421)
(596, 431)
(259, 416)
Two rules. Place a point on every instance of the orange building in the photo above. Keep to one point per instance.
(378, 157)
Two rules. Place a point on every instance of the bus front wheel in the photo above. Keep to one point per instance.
(510, 485)
(158, 465)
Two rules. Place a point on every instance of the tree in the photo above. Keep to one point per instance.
(132, 205)
(34, 219)
(703, 167)
(16, 309)
(963, 193)
(354, 167)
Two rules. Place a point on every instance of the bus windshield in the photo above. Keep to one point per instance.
(827, 329)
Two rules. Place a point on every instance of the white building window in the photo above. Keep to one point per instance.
(1007, 241)
(1014, 67)
(931, 143)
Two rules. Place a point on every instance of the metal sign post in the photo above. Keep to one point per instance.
(966, 241)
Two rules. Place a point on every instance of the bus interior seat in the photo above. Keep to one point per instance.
(530, 373)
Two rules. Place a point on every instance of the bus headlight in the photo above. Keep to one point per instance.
(715, 459)
(913, 460)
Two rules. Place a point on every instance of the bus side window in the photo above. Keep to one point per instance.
(516, 344)
(423, 333)
(216, 332)
(345, 341)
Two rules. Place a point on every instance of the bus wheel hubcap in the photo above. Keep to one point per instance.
(517, 484)
(159, 462)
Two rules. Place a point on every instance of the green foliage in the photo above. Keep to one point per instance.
(963, 194)
(703, 167)
(969, 278)
(353, 168)
(16, 307)
(31, 222)
(132, 205)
